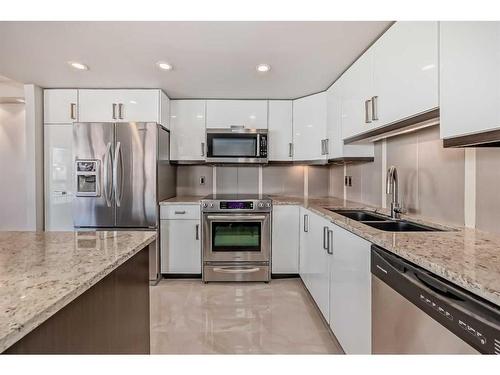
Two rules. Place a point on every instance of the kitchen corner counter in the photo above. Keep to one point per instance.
(466, 257)
(42, 272)
(183, 199)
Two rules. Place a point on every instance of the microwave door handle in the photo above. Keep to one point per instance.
(258, 145)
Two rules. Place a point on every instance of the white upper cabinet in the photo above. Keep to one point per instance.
(469, 77)
(60, 106)
(357, 90)
(119, 105)
(336, 147)
(251, 114)
(187, 123)
(309, 128)
(280, 140)
(164, 110)
(405, 72)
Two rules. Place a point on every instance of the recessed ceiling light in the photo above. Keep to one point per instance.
(263, 68)
(78, 66)
(164, 65)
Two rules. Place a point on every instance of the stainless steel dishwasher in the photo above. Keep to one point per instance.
(417, 312)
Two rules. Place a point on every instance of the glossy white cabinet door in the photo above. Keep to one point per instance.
(305, 248)
(405, 71)
(350, 292)
(337, 149)
(187, 130)
(180, 246)
(164, 110)
(59, 177)
(280, 139)
(469, 77)
(357, 88)
(247, 113)
(285, 239)
(136, 105)
(309, 127)
(60, 106)
(320, 264)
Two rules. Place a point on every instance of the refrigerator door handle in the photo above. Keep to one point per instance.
(118, 156)
(107, 179)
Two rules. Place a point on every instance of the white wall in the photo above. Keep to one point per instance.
(13, 214)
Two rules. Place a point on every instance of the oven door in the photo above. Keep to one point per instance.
(236, 237)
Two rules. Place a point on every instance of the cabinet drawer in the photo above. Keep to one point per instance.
(180, 212)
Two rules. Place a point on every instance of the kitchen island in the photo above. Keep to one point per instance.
(75, 292)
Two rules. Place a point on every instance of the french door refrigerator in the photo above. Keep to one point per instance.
(122, 172)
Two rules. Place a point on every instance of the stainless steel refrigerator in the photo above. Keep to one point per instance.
(122, 172)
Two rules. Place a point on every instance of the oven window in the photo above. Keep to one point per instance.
(242, 236)
(233, 146)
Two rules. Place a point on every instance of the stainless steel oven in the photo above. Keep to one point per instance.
(236, 233)
(237, 145)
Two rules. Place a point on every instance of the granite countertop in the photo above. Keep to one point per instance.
(467, 257)
(41, 272)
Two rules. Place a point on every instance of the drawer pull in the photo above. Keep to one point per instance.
(180, 212)
(236, 270)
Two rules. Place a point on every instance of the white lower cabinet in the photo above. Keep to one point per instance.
(180, 245)
(59, 177)
(285, 239)
(350, 291)
(335, 268)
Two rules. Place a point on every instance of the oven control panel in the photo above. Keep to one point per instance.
(236, 205)
(250, 205)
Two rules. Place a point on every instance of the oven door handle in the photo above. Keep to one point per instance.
(236, 217)
(236, 269)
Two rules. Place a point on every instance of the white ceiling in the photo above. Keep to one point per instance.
(210, 59)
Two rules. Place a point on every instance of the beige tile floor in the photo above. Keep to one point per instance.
(190, 317)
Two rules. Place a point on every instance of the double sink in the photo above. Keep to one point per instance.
(384, 223)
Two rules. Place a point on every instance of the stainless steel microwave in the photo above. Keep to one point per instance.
(237, 145)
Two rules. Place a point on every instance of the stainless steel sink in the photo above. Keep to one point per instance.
(360, 215)
(384, 223)
(401, 226)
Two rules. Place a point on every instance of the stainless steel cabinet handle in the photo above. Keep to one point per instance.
(325, 238)
(202, 148)
(367, 111)
(120, 111)
(114, 111)
(179, 212)
(72, 111)
(306, 223)
(197, 237)
(330, 242)
(322, 147)
(327, 141)
(107, 179)
(236, 269)
(118, 191)
(290, 149)
(375, 108)
(234, 217)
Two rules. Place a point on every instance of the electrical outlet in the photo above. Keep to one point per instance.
(350, 180)
(202, 180)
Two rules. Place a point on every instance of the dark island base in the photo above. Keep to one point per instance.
(112, 317)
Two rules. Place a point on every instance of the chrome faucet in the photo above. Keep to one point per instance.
(392, 189)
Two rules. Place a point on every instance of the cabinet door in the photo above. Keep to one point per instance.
(164, 110)
(187, 129)
(469, 77)
(104, 105)
(350, 292)
(60, 106)
(247, 113)
(309, 127)
(59, 177)
(139, 105)
(285, 245)
(357, 88)
(180, 246)
(405, 71)
(319, 264)
(280, 140)
(336, 147)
